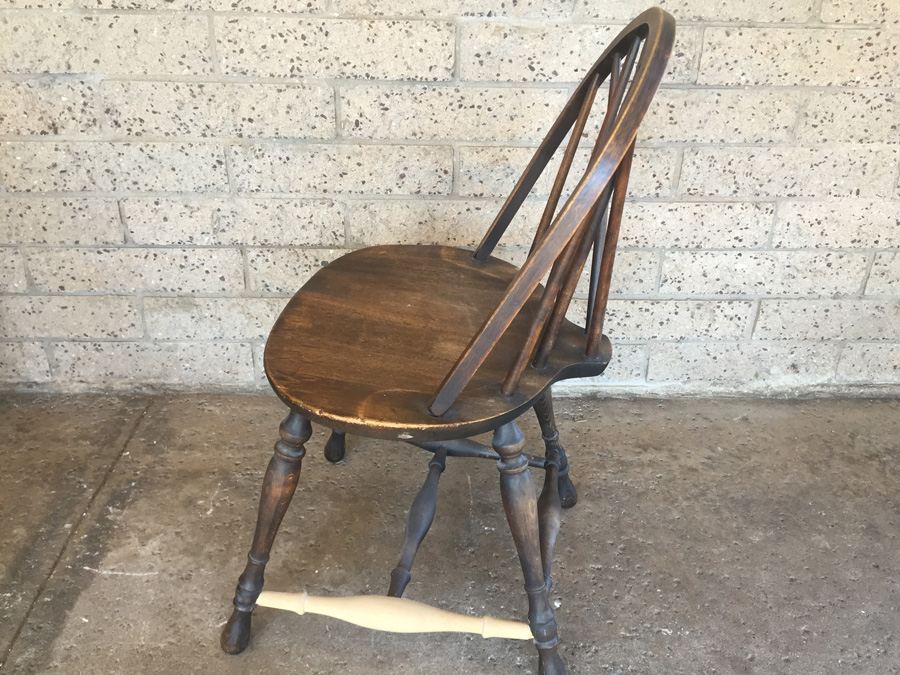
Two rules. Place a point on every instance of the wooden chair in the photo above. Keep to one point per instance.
(432, 345)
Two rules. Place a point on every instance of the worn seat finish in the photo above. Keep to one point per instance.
(433, 345)
(366, 342)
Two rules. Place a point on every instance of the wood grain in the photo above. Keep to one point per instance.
(366, 342)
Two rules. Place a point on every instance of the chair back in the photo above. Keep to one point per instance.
(588, 222)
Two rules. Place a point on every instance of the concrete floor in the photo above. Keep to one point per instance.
(711, 536)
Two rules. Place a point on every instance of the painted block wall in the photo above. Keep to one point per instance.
(172, 171)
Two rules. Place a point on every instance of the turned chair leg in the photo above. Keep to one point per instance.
(549, 517)
(543, 408)
(421, 515)
(278, 488)
(336, 447)
(522, 514)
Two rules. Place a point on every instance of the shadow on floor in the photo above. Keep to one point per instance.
(711, 536)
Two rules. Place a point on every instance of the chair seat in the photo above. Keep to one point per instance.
(365, 344)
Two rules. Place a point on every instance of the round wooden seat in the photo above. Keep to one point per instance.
(367, 341)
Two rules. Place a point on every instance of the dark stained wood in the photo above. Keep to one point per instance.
(418, 522)
(620, 72)
(358, 347)
(520, 506)
(571, 272)
(618, 85)
(560, 181)
(543, 409)
(466, 447)
(596, 256)
(604, 278)
(549, 517)
(278, 488)
(434, 344)
(336, 447)
(364, 345)
(532, 172)
(655, 30)
(548, 302)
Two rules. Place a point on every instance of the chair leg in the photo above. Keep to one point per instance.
(543, 408)
(549, 517)
(336, 447)
(520, 505)
(277, 490)
(421, 515)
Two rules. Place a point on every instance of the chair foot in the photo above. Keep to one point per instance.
(551, 663)
(336, 447)
(236, 633)
(568, 496)
(400, 579)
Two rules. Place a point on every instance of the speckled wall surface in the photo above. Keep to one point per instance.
(171, 171)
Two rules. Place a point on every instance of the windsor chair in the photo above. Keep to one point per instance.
(432, 345)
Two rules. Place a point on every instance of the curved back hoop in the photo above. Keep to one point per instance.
(589, 219)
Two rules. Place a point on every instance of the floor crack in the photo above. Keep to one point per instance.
(76, 526)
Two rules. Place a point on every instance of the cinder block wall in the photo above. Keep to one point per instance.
(172, 170)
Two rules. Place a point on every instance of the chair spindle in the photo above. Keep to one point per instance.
(587, 222)
(566, 164)
(418, 522)
(595, 327)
